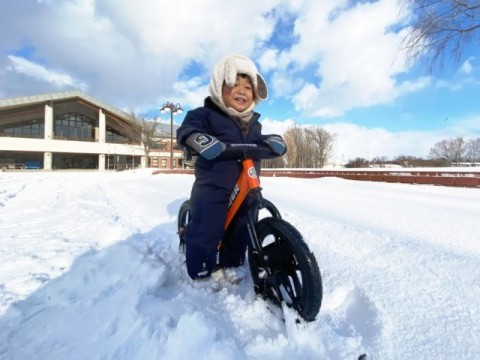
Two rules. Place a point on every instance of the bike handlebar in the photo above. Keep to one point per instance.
(237, 151)
(246, 150)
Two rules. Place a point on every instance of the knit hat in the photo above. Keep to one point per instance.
(226, 70)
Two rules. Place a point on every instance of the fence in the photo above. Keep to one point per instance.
(443, 178)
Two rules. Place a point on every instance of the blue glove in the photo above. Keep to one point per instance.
(206, 145)
(276, 144)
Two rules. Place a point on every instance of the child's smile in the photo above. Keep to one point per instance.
(240, 96)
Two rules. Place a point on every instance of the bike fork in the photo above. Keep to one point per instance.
(255, 245)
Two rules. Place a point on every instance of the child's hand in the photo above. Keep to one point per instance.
(206, 145)
(276, 144)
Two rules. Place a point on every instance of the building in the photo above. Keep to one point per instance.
(72, 130)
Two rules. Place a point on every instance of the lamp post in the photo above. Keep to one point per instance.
(174, 109)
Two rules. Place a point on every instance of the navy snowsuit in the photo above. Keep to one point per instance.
(214, 181)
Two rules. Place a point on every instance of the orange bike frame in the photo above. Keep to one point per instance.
(247, 181)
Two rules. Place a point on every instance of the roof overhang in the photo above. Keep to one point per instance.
(74, 95)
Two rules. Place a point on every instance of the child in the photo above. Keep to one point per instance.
(227, 117)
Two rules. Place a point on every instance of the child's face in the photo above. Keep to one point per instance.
(240, 96)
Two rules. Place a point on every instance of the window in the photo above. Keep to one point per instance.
(74, 126)
(31, 128)
(114, 136)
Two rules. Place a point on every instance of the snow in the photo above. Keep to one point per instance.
(89, 269)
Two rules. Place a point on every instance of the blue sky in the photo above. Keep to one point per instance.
(334, 64)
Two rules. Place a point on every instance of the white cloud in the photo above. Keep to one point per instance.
(192, 92)
(271, 126)
(354, 53)
(269, 60)
(467, 67)
(131, 53)
(41, 73)
(137, 53)
(463, 77)
(147, 45)
(352, 141)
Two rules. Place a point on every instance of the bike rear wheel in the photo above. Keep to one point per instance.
(288, 271)
(183, 220)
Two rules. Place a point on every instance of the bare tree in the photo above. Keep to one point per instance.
(412, 161)
(278, 162)
(380, 161)
(145, 130)
(293, 137)
(130, 130)
(321, 144)
(308, 147)
(451, 150)
(358, 163)
(441, 27)
(472, 151)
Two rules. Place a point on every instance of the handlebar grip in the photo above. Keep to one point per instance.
(189, 153)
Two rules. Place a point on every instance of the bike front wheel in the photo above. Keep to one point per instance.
(182, 222)
(285, 270)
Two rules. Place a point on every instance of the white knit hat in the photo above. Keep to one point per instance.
(228, 68)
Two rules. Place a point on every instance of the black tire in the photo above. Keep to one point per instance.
(293, 276)
(183, 220)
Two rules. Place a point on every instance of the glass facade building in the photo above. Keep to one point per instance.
(72, 130)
